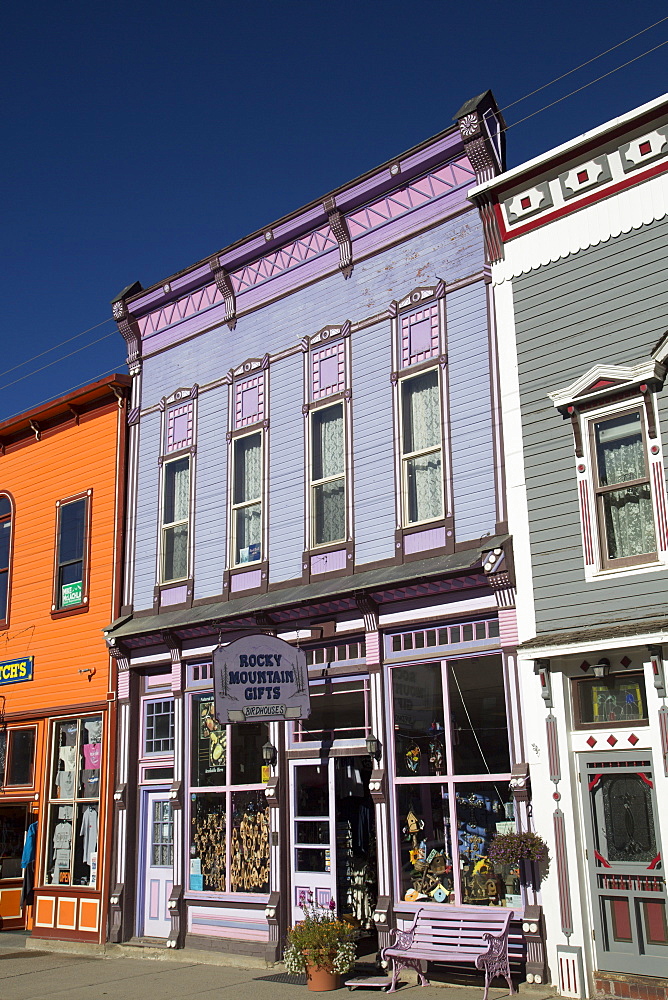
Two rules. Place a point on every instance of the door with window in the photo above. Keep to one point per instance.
(313, 833)
(159, 862)
(626, 873)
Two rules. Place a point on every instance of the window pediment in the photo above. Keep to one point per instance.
(602, 381)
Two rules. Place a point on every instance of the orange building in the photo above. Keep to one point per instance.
(61, 527)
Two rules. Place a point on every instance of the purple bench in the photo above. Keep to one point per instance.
(451, 934)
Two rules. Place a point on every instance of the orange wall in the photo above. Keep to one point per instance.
(67, 460)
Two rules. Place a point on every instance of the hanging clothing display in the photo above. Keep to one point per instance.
(88, 831)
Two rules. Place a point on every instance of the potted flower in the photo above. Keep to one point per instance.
(527, 851)
(511, 848)
(319, 945)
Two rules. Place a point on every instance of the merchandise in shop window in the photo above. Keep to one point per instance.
(73, 810)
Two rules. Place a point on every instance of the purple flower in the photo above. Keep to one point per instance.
(332, 904)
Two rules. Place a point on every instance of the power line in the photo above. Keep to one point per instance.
(58, 360)
(584, 86)
(582, 65)
(55, 347)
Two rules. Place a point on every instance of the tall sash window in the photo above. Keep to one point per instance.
(422, 463)
(328, 480)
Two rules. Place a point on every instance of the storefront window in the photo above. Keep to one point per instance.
(339, 711)
(226, 774)
(17, 756)
(71, 849)
(452, 783)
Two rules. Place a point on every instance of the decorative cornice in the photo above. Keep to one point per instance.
(127, 325)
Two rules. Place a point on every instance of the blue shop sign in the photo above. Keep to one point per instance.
(15, 671)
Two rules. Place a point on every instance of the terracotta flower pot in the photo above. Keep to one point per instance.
(320, 978)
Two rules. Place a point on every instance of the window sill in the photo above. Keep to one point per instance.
(635, 570)
(77, 609)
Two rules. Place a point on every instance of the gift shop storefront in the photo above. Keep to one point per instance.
(369, 759)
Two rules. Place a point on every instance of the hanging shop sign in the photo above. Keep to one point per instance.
(260, 678)
(15, 671)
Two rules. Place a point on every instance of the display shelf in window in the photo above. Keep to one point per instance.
(229, 817)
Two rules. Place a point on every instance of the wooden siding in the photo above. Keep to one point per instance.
(449, 251)
(373, 446)
(211, 493)
(471, 443)
(148, 512)
(286, 469)
(607, 304)
(67, 461)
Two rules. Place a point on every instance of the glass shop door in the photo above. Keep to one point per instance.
(312, 834)
(626, 869)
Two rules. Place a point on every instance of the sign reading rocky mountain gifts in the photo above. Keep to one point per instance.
(260, 679)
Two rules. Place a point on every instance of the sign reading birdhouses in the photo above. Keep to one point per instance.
(260, 679)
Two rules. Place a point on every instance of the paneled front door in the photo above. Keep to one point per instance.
(628, 887)
(159, 865)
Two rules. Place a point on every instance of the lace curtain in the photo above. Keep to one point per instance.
(248, 486)
(176, 509)
(329, 499)
(421, 431)
(629, 518)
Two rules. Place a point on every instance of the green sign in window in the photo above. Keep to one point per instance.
(70, 593)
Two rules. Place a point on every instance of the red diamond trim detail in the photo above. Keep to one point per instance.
(582, 176)
(644, 148)
(625, 661)
(611, 740)
(633, 739)
(591, 741)
(525, 202)
(584, 665)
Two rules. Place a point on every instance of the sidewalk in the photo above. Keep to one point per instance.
(27, 974)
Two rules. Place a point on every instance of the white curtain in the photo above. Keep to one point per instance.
(176, 508)
(329, 499)
(422, 431)
(248, 469)
(629, 519)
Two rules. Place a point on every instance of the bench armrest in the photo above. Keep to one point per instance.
(497, 948)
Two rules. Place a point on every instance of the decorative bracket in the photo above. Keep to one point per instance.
(656, 659)
(34, 426)
(519, 782)
(339, 227)
(369, 610)
(226, 289)
(128, 326)
(542, 670)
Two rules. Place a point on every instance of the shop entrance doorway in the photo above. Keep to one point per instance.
(628, 887)
(158, 863)
(333, 839)
(14, 822)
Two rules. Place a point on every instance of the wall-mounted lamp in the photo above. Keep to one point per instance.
(602, 668)
(269, 754)
(374, 747)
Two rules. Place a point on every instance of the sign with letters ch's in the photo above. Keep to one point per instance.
(260, 679)
(15, 671)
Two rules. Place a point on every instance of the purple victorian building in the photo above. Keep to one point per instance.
(315, 454)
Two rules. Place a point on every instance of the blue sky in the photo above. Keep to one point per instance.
(141, 137)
